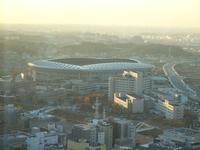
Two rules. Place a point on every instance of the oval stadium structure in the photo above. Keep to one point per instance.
(59, 70)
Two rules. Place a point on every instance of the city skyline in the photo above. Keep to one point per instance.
(99, 74)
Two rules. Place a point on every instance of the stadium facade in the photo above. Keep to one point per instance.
(82, 71)
(82, 68)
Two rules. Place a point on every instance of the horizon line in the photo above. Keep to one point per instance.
(105, 25)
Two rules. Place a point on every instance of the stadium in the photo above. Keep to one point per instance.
(90, 69)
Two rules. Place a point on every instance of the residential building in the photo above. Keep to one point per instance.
(87, 132)
(130, 103)
(170, 109)
(105, 134)
(123, 132)
(132, 82)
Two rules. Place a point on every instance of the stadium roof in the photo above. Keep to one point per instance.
(48, 64)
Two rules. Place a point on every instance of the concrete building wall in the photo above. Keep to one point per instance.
(36, 142)
(123, 132)
(73, 145)
(130, 103)
(170, 110)
(107, 128)
(137, 106)
(130, 82)
(82, 131)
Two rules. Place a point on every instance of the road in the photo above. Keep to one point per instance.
(176, 80)
(42, 112)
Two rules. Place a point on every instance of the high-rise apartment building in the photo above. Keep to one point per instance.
(107, 129)
(123, 132)
(130, 83)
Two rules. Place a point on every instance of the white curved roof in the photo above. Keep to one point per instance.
(46, 64)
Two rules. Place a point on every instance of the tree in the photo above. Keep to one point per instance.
(189, 117)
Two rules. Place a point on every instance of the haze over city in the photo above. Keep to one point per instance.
(99, 75)
(145, 13)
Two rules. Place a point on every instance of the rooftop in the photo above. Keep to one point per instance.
(94, 65)
(84, 126)
(185, 131)
(127, 96)
(88, 61)
(159, 78)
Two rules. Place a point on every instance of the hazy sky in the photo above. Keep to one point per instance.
(163, 13)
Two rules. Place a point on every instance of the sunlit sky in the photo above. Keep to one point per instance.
(159, 13)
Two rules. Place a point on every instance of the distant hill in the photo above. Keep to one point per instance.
(126, 49)
(16, 49)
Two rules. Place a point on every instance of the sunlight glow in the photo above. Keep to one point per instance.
(183, 13)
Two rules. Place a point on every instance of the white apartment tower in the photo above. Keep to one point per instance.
(130, 82)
